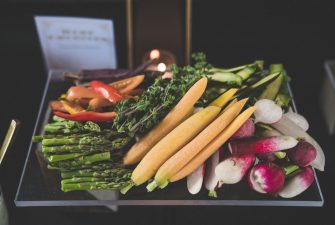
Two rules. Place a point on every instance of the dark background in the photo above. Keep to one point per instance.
(299, 34)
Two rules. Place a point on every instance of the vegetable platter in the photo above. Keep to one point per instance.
(195, 135)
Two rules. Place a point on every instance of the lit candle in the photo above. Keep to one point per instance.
(164, 60)
(154, 54)
(161, 67)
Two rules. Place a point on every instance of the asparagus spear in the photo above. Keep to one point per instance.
(69, 126)
(115, 145)
(109, 134)
(100, 165)
(75, 180)
(82, 160)
(87, 140)
(62, 157)
(116, 171)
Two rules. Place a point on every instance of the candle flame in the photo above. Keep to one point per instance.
(154, 54)
(161, 67)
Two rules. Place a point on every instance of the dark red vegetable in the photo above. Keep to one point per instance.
(266, 178)
(101, 74)
(303, 154)
(107, 75)
(88, 116)
(106, 91)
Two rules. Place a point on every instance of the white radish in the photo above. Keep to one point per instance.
(195, 180)
(267, 111)
(298, 119)
(211, 180)
(298, 184)
(271, 133)
(232, 169)
(287, 127)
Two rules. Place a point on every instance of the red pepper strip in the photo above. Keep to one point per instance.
(106, 91)
(88, 116)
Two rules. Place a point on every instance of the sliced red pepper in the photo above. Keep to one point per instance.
(88, 116)
(106, 91)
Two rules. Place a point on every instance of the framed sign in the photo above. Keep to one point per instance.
(72, 43)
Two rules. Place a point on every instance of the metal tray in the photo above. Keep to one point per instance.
(41, 187)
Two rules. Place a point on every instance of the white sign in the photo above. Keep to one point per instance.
(70, 43)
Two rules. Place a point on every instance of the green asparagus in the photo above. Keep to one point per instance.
(100, 165)
(82, 160)
(116, 171)
(69, 126)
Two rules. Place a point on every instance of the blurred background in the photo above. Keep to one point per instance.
(299, 34)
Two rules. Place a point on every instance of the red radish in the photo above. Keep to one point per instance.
(266, 178)
(211, 180)
(195, 179)
(232, 169)
(262, 145)
(268, 157)
(271, 156)
(267, 111)
(303, 154)
(287, 127)
(298, 184)
(246, 130)
(298, 119)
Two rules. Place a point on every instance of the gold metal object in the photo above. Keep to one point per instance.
(188, 32)
(129, 13)
(9, 138)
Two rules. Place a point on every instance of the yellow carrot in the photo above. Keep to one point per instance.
(213, 146)
(179, 113)
(185, 155)
(171, 143)
(229, 105)
(224, 98)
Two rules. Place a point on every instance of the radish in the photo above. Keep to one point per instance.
(271, 133)
(261, 145)
(195, 179)
(298, 119)
(246, 130)
(267, 157)
(298, 184)
(267, 111)
(211, 180)
(287, 127)
(266, 178)
(303, 154)
(232, 169)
